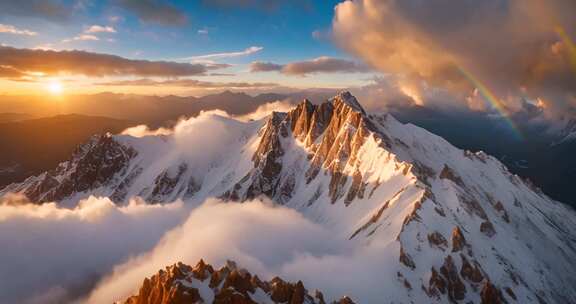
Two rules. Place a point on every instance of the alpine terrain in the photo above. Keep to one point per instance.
(202, 283)
(460, 228)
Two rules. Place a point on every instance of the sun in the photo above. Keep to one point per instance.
(55, 87)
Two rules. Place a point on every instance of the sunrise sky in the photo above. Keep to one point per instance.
(495, 54)
(210, 46)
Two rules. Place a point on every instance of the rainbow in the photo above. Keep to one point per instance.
(571, 47)
(491, 98)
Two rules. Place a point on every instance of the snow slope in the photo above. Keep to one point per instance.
(458, 226)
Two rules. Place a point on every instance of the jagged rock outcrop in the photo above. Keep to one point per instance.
(92, 165)
(333, 133)
(458, 240)
(182, 284)
(451, 221)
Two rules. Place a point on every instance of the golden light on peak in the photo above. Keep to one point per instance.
(55, 87)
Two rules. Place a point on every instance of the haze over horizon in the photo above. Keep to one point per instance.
(397, 53)
(287, 151)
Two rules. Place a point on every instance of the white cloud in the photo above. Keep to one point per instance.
(51, 254)
(259, 236)
(60, 253)
(249, 51)
(82, 37)
(143, 130)
(267, 108)
(89, 34)
(10, 29)
(268, 240)
(100, 29)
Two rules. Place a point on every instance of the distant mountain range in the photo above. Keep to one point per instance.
(151, 110)
(35, 145)
(458, 226)
(546, 158)
(10, 117)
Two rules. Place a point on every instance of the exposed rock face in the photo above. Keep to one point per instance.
(449, 174)
(165, 184)
(92, 165)
(470, 272)
(406, 259)
(333, 132)
(487, 228)
(490, 294)
(455, 287)
(442, 214)
(265, 176)
(458, 240)
(182, 284)
(436, 239)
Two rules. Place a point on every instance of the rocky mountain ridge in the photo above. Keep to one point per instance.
(183, 284)
(460, 226)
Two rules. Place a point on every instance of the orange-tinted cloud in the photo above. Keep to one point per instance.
(188, 83)
(94, 64)
(9, 72)
(259, 66)
(509, 45)
(318, 65)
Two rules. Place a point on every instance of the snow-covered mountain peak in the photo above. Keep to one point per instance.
(180, 283)
(455, 225)
(348, 99)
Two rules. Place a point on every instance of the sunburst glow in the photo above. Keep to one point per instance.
(55, 87)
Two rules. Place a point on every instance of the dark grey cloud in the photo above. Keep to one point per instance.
(94, 64)
(155, 11)
(318, 65)
(54, 10)
(188, 83)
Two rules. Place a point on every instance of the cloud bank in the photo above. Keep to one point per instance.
(100, 29)
(513, 47)
(94, 64)
(267, 109)
(10, 29)
(268, 240)
(248, 51)
(318, 65)
(52, 255)
(61, 254)
(192, 83)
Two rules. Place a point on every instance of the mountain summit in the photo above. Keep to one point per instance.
(183, 284)
(457, 226)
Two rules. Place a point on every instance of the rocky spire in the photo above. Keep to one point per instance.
(332, 132)
(346, 98)
(180, 284)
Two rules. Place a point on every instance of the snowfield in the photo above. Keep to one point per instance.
(438, 224)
